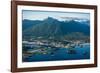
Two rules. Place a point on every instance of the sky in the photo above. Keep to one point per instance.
(41, 15)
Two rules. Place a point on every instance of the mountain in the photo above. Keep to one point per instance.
(51, 27)
(28, 23)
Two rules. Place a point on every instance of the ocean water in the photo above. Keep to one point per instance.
(77, 53)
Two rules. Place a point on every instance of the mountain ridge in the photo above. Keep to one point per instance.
(53, 27)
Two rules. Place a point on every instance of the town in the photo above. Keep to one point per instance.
(47, 47)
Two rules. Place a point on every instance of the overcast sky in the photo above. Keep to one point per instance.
(41, 15)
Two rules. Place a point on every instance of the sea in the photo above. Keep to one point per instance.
(77, 53)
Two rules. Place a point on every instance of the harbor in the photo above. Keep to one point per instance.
(60, 50)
